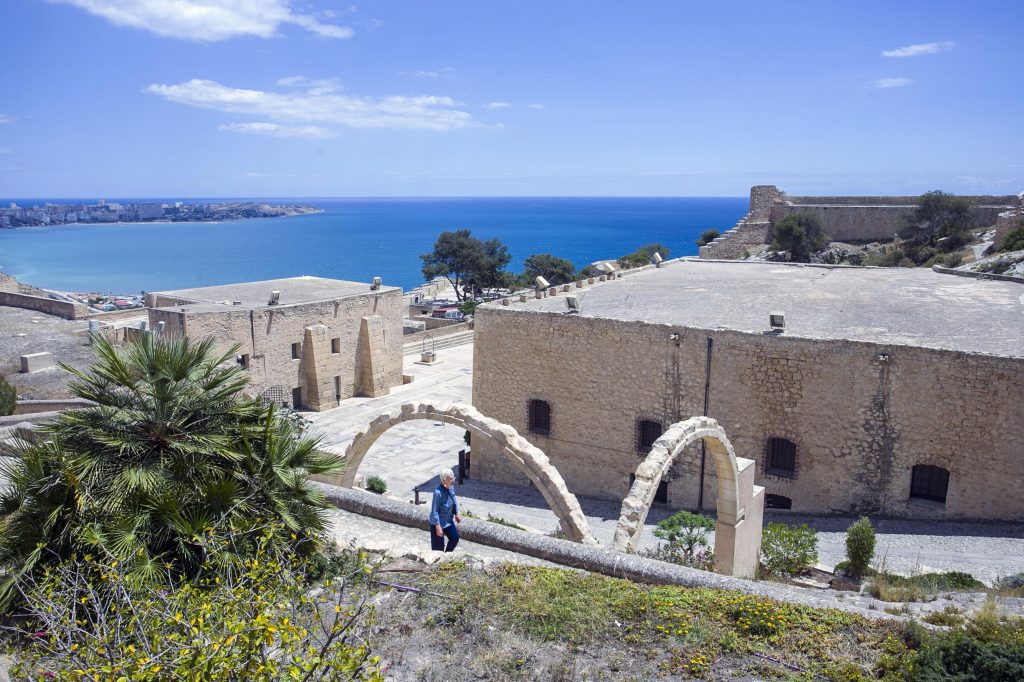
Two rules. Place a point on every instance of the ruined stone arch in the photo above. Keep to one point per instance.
(530, 459)
(740, 503)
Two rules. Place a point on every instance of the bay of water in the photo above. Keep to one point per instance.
(353, 239)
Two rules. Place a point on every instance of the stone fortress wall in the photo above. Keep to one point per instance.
(845, 218)
(861, 414)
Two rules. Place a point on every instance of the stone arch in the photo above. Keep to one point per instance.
(740, 502)
(530, 459)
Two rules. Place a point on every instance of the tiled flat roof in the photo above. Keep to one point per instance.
(293, 290)
(901, 306)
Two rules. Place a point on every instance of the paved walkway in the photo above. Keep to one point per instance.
(410, 455)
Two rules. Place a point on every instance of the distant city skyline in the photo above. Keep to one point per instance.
(316, 98)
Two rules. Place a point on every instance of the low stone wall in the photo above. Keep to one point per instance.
(435, 334)
(36, 406)
(977, 275)
(49, 306)
(117, 315)
(586, 557)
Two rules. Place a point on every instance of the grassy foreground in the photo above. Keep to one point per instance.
(529, 623)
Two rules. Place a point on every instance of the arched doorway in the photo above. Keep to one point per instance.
(740, 503)
(528, 458)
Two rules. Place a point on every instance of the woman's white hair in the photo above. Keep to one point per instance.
(446, 475)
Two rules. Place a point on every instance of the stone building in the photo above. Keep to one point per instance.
(888, 391)
(845, 218)
(307, 341)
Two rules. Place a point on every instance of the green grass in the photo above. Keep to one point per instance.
(897, 588)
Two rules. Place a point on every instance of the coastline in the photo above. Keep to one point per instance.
(87, 223)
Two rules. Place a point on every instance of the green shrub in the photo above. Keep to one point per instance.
(258, 621)
(708, 236)
(1015, 240)
(171, 451)
(958, 657)
(376, 484)
(788, 550)
(860, 546)
(948, 617)
(8, 398)
(801, 234)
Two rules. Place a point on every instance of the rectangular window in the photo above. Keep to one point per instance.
(929, 482)
(336, 345)
(296, 398)
(296, 351)
(337, 389)
(647, 431)
(781, 458)
(243, 360)
(539, 413)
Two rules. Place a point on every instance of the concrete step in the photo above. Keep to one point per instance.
(444, 342)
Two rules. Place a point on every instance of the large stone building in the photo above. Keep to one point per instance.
(307, 341)
(889, 391)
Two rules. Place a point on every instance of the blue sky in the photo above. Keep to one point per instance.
(462, 98)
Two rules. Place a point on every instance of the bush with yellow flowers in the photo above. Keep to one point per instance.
(756, 615)
(262, 619)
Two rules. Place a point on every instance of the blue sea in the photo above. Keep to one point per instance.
(354, 239)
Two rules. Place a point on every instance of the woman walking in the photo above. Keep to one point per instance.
(444, 514)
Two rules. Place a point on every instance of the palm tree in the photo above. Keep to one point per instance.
(172, 468)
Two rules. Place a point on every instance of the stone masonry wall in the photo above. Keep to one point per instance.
(266, 335)
(751, 230)
(867, 223)
(845, 218)
(860, 422)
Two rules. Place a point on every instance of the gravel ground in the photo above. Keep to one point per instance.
(25, 331)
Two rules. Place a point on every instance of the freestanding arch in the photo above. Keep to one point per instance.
(530, 459)
(740, 503)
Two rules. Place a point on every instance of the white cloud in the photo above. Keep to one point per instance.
(497, 105)
(208, 20)
(918, 50)
(312, 86)
(446, 72)
(277, 130)
(5, 150)
(883, 83)
(536, 106)
(4, 118)
(422, 112)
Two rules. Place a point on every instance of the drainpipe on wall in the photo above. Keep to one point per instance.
(703, 447)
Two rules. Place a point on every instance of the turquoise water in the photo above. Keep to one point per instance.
(353, 239)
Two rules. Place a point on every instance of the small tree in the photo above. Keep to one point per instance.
(801, 234)
(860, 546)
(686, 540)
(8, 398)
(940, 220)
(552, 268)
(708, 236)
(467, 263)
